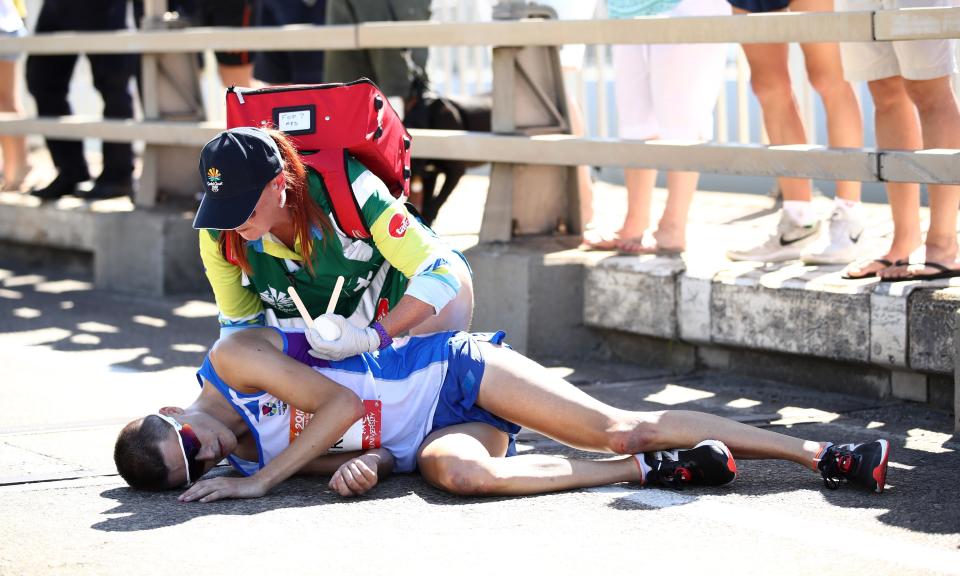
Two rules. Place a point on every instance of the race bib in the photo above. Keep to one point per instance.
(363, 435)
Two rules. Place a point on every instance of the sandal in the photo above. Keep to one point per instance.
(886, 264)
(595, 239)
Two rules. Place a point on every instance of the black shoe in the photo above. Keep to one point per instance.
(102, 190)
(60, 187)
(861, 464)
(709, 463)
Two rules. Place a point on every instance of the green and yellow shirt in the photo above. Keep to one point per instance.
(403, 257)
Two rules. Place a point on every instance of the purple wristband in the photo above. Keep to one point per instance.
(385, 339)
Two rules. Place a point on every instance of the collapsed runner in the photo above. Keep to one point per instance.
(448, 404)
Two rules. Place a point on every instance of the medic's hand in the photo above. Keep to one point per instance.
(352, 340)
(356, 476)
(223, 487)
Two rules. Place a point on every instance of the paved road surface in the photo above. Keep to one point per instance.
(77, 363)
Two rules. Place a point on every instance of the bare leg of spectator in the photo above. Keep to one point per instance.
(770, 79)
(591, 236)
(240, 75)
(940, 126)
(639, 184)
(15, 166)
(825, 72)
(896, 128)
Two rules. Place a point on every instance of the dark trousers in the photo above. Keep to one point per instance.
(48, 79)
(387, 67)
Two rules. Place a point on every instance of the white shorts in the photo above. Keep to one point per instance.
(669, 91)
(12, 57)
(912, 59)
(571, 55)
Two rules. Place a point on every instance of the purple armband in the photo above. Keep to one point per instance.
(385, 339)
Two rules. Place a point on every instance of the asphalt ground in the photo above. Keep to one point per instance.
(77, 363)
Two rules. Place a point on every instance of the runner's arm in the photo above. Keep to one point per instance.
(327, 464)
(353, 473)
(252, 360)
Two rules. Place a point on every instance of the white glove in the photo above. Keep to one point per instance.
(352, 340)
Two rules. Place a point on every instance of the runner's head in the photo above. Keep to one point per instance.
(170, 450)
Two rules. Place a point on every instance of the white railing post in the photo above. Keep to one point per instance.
(146, 195)
(171, 90)
(528, 98)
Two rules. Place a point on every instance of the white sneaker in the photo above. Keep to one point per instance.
(846, 231)
(787, 243)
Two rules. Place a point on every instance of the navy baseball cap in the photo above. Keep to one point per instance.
(234, 168)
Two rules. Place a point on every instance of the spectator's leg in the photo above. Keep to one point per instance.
(825, 72)
(347, 65)
(896, 128)
(387, 67)
(940, 126)
(306, 67)
(235, 68)
(584, 180)
(236, 75)
(631, 238)
(685, 84)
(15, 167)
(770, 79)
(111, 77)
(636, 119)
(48, 80)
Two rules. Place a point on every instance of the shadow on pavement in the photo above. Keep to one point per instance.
(61, 310)
(151, 510)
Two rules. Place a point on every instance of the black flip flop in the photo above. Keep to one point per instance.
(886, 263)
(944, 273)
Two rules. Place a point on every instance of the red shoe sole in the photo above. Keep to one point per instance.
(880, 472)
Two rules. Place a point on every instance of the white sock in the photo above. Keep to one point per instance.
(849, 208)
(644, 468)
(823, 450)
(800, 211)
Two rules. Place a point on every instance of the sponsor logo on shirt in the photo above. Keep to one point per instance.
(275, 408)
(278, 299)
(398, 225)
(383, 307)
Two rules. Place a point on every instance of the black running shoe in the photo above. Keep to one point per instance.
(861, 464)
(709, 463)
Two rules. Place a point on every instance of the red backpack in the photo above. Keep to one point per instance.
(325, 122)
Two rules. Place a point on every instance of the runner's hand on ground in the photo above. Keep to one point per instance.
(356, 476)
(221, 487)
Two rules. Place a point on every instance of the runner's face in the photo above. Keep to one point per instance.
(265, 215)
(216, 443)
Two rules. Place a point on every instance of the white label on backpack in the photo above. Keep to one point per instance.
(293, 121)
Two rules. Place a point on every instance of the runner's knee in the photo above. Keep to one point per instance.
(462, 477)
(633, 436)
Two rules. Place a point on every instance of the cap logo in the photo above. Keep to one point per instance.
(214, 181)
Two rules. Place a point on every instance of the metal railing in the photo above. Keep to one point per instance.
(800, 161)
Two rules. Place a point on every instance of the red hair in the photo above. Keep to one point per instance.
(305, 211)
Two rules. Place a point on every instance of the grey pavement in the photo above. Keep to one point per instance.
(79, 362)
